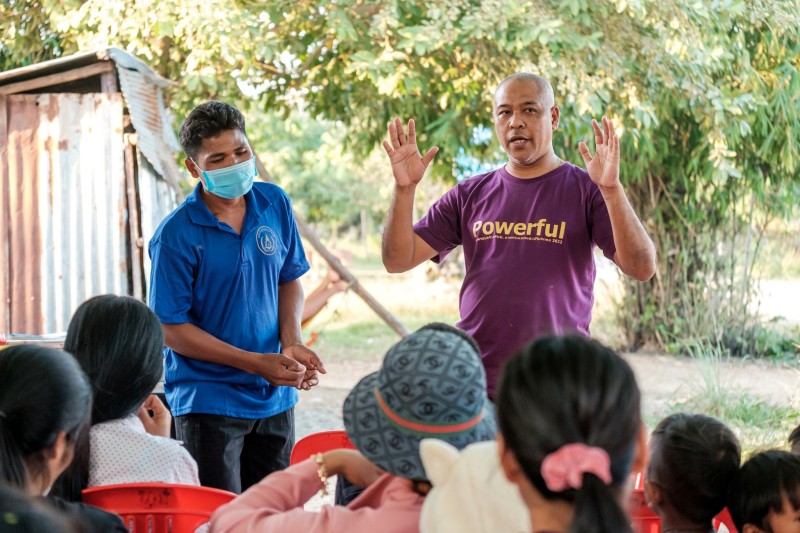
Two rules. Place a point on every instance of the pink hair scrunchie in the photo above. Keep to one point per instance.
(565, 467)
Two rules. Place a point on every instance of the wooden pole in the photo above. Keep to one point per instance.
(311, 236)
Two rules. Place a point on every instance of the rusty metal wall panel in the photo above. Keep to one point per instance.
(24, 243)
(157, 200)
(68, 218)
(5, 286)
(150, 116)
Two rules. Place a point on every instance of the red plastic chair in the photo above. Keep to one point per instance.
(643, 518)
(318, 443)
(158, 507)
(724, 517)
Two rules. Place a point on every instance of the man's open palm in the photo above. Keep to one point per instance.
(603, 167)
(408, 166)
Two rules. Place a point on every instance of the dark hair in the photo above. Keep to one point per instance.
(208, 120)
(22, 513)
(761, 485)
(569, 389)
(118, 342)
(693, 459)
(42, 393)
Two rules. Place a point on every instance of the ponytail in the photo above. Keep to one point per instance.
(597, 509)
(568, 409)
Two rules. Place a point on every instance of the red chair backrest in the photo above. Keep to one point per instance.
(318, 443)
(158, 507)
(724, 517)
(643, 518)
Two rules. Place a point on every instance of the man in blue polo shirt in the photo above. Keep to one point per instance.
(225, 284)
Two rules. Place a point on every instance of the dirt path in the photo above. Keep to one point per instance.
(663, 380)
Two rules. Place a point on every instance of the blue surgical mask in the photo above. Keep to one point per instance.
(231, 182)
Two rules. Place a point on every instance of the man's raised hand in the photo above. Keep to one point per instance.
(603, 167)
(408, 166)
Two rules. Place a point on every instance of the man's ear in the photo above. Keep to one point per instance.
(192, 168)
(555, 117)
(640, 453)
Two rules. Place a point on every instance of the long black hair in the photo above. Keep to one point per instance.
(42, 393)
(118, 342)
(560, 390)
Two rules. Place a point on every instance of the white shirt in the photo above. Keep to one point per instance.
(123, 452)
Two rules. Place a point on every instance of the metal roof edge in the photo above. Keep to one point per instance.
(119, 56)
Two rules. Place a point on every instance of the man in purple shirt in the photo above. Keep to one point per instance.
(528, 229)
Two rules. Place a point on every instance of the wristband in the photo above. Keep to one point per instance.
(322, 471)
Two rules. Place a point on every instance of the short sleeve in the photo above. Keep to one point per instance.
(295, 264)
(601, 232)
(171, 280)
(441, 225)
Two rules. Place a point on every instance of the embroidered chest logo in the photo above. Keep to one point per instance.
(267, 240)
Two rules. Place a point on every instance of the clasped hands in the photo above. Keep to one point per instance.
(296, 366)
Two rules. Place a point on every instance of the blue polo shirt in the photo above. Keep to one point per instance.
(206, 274)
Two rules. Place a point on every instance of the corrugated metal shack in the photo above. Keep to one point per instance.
(87, 172)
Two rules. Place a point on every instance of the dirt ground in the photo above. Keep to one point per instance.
(663, 380)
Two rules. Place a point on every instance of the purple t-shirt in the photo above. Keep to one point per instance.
(528, 251)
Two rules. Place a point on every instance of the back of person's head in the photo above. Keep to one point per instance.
(568, 409)
(118, 342)
(208, 120)
(42, 394)
(761, 486)
(20, 513)
(693, 459)
(431, 384)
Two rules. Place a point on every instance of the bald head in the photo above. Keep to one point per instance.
(543, 87)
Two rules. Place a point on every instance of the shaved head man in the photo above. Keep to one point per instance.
(528, 228)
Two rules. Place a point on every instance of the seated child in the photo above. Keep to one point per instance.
(44, 410)
(693, 459)
(765, 494)
(117, 341)
(569, 414)
(431, 384)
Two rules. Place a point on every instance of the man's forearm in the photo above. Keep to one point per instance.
(636, 254)
(290, 312)
(397, 246)
(191, 341)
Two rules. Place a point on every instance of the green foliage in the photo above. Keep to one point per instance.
(758, 424)
(706, 95)
(332, 188)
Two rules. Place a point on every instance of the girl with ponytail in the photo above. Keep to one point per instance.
(568, 411)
